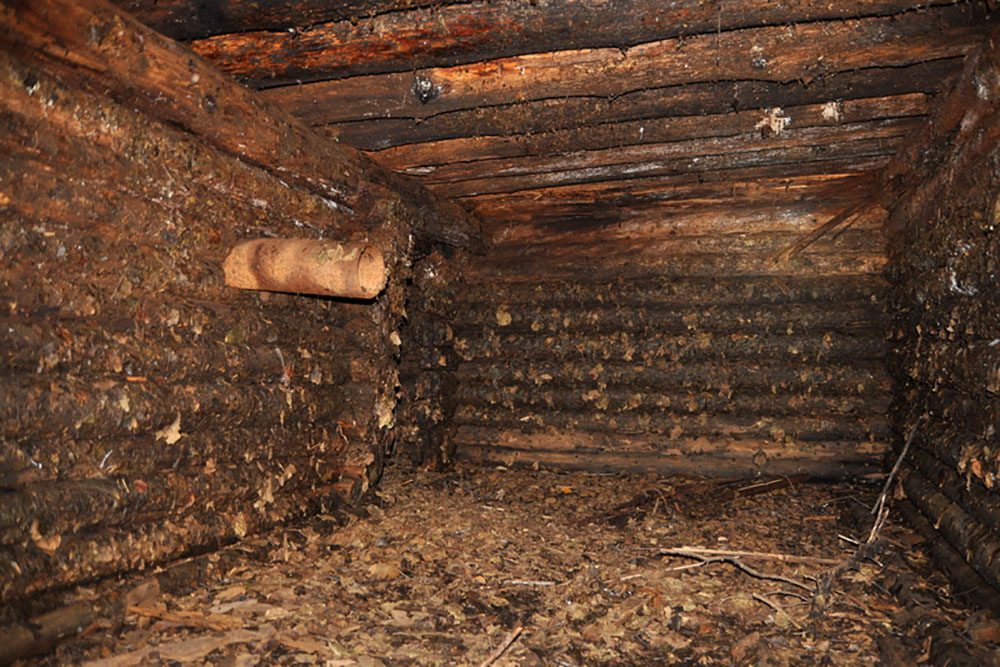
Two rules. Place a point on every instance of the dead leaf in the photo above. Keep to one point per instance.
(172, 433)
(383, 571)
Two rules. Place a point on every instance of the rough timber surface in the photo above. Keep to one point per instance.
(446, 567)
(148, 411)
(943, 192)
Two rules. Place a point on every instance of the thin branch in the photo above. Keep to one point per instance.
(504, 645)
(699, 552)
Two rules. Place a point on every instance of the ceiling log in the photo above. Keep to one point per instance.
(81, 39)
(455, 34)
(777, 54)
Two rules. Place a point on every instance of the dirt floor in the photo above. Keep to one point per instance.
(540, 568)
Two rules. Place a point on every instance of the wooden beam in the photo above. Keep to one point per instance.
(95, 44)
(301, 50)
(789, 159)
(661, 130)
(779, 54)
(540, 117)
(962, 130)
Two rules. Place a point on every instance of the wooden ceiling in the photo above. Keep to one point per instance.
(570, 114)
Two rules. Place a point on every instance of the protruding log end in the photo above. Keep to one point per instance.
(305, 266)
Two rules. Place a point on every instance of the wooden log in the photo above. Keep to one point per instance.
(973, 368)
(782, 319)
(975, 542)
(32, 409)
(967, 116)
(809, 431)
(644, 348)
(167, 81)
(639, 402)
(443, 166)
(966, 582)
(718, 375)
(67, 507)
(969, 493)
(610, 202)
(537, 118)
(304, 266)
(415, 38)
(838, 461)
(735, 163)
(664, 132)
(676, 291)
(768, 53)
(26, 570)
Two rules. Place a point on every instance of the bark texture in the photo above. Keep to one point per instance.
(943, 190)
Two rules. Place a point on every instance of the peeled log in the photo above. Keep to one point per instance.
(325, 268)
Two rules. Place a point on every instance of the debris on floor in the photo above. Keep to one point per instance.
(521, 567)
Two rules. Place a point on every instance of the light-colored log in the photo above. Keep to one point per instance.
(307, 266)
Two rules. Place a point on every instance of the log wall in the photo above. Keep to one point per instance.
(944, 193)
(672, 342)
(147, 411)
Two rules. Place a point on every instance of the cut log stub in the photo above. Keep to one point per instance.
(307, 266)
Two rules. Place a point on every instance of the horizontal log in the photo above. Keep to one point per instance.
(858, 378)
(611, 401)
(33, 409)
(973, 368)
(666, 133)
(966, 582)
(632, 352)
(664, 321)
(35, 461)
(767, 53)
(975, 542)
(74, 506)
(589, 205)
(179, 341)
(540, 117)
(700, 151)
(980, 503)
(976, 416)
(796, 431)
(593, 452)
(676, 291)
(415, 38)
(26, 570)
(748, 158)
(183, 89)
(633, 259)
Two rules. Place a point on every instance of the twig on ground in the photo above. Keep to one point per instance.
(776, 607)
(735, 562)
(866, 550)
(504, 645)
(524, 582)
(698, 552)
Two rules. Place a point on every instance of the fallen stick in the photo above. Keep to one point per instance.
(699, 552)
(504, 645)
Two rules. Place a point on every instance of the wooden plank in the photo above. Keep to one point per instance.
(538, 117)
(649, 199)
(641, 132)
(584, 451)
(694, 152)
(790, 160)
(300, 50)
(167, 81)
(779, 54)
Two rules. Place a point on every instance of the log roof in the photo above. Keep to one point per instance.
(570, 115)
